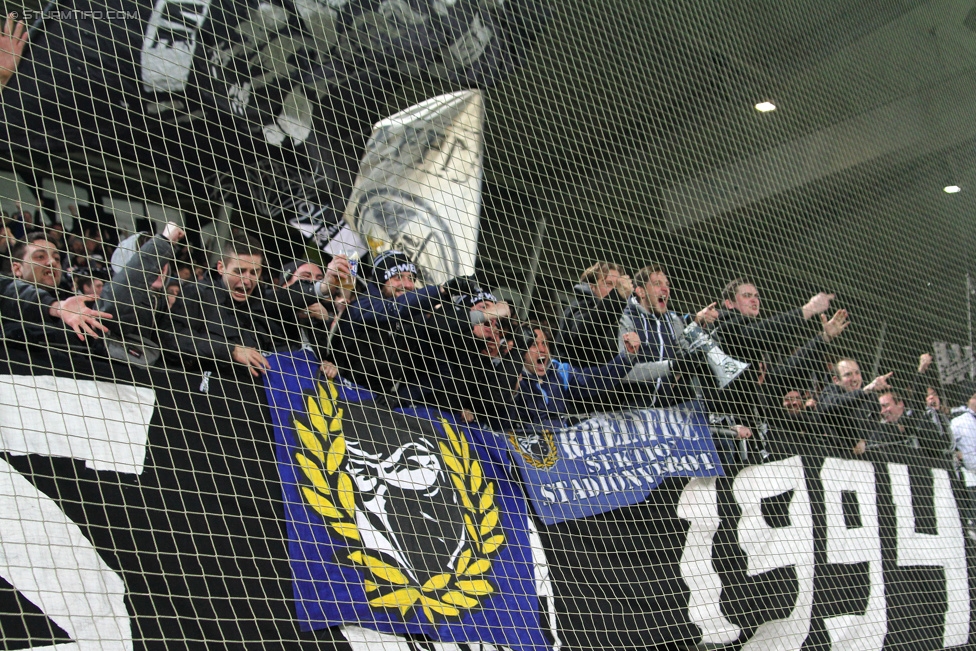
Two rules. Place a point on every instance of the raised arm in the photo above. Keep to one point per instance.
(128, 295)
(13, 40)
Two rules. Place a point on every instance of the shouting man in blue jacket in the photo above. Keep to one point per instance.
(546, 389)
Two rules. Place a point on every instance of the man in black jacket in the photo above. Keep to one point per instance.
(914, 430)
(755, 407)
(851, 411)
(227, 320)
(371, 346)
(587, 334)
(747, 337)
(794, 428)
(36, 309)
(314, 325)
(461, 355)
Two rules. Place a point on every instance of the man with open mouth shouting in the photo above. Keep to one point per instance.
(661, 377)
(546, 389)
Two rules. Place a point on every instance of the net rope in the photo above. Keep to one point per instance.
(470, 324)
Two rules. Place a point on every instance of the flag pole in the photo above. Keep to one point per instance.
(530, 282)
(38, 24)
(969, 318)
(879, 350)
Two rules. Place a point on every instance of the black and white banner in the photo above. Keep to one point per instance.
(834, 553)
(44, 554)
(866, 559)
(141, 513)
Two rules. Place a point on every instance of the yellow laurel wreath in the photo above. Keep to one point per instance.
(551, 457)
(331, 493)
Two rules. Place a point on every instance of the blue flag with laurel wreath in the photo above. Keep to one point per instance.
(401, 520)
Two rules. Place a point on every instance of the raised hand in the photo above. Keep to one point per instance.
(817, 305)
(624, 286)
(499, 310)
(924, 362)
(339, 272)
(173, 233)
(13, 39)
(318, 311)
(707, 315)
(460, 286)
(835, 326)
(329, 370)
(879, 383)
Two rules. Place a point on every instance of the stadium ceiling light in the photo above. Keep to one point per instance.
(765, 107)
(951, 189)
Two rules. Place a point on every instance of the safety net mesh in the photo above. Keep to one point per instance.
(483, 324)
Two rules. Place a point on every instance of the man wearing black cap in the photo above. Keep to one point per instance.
(460, 355)
(395, 274)
(371, 345)
(852, 408)
(300, 270)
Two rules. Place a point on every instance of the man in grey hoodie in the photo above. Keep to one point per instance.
(136, 296)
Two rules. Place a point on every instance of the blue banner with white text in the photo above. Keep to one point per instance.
(612, 460)
(398, 520)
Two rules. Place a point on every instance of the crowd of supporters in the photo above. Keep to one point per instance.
(771, 384)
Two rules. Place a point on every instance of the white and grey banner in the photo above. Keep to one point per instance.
(419, 187)
(955, 362)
